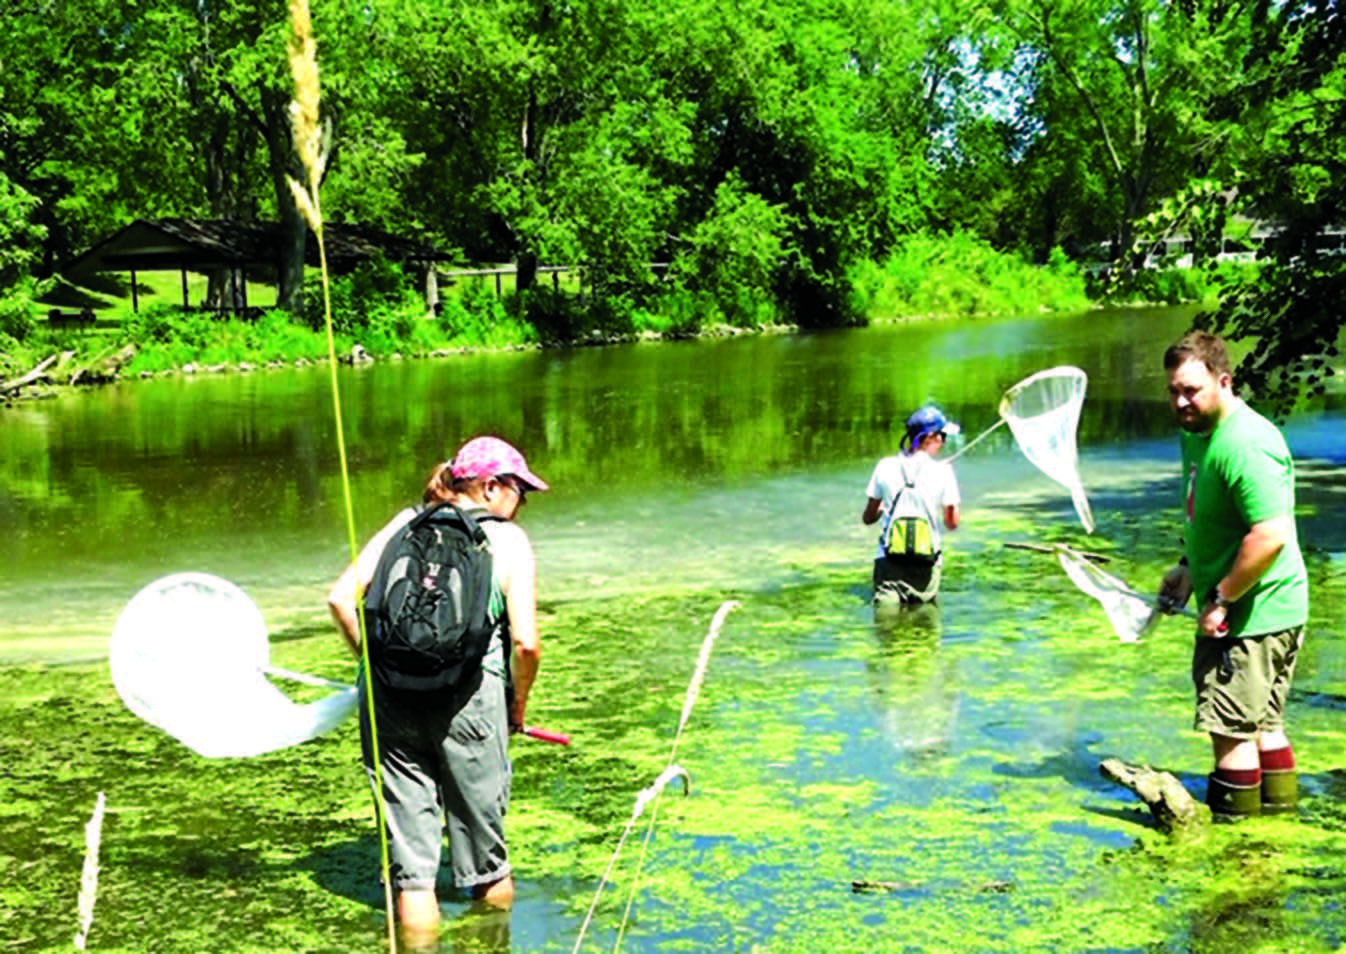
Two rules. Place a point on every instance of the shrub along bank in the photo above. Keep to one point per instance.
(377, 309)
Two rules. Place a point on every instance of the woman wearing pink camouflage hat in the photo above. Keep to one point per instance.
(448, 757)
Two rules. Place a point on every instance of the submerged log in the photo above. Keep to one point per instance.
(876, 887)
(1172, 805)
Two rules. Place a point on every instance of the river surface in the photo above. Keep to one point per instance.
(725, 449)
(701, 471)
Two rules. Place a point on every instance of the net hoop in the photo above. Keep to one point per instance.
(1043, 413)
(189, 654)
(1131, 614)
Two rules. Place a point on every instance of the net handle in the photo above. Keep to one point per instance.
(304, 678)
(1064, 552)
(974, 442)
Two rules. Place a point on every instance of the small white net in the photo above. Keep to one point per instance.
(1131, 615)
(190, 654)
(1043, 412)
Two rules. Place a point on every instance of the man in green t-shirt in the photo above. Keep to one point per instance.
(1242, 559)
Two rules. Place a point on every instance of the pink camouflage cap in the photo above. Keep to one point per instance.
(484, 457)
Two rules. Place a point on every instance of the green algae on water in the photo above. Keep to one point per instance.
(950, 758)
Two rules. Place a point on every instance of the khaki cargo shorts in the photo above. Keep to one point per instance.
(1242, 684)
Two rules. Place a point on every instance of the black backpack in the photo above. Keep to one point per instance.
(427, 609)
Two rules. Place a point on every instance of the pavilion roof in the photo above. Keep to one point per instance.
(172, 244)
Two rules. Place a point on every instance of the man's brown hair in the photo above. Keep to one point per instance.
(1205, 347)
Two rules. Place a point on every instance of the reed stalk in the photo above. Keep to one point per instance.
(669, 774)
(703, 662)
(88, 881)
(311, 149)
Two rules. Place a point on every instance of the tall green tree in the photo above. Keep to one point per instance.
(117, 110)
(1123, 86)
(1286, 167)
(759, 151)
(235, 85)
(56, 64)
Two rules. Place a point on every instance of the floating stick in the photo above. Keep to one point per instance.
(1040, 548)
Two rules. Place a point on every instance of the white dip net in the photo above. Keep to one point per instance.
(1043, 412)
(1131, 614)
(190, 654)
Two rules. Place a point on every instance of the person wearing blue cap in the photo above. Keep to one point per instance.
(911, 495)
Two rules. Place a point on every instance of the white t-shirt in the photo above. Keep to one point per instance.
(933, 479)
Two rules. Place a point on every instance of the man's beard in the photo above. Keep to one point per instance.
(1195, 422)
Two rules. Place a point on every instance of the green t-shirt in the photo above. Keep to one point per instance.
(1239, 475)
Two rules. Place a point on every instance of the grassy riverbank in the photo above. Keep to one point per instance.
(378, 312)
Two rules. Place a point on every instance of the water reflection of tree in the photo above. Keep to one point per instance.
(919, 701)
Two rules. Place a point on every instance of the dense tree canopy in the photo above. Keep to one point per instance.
(1287, 165)
(762, 150)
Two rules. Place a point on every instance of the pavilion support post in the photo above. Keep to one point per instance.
(186, 302)
(135, 295)
(431, 290)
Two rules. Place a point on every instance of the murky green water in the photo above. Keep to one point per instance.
(950, 762)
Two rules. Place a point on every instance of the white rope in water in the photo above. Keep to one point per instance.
(650, 795)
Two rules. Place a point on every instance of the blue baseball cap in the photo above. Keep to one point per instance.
(929, 420)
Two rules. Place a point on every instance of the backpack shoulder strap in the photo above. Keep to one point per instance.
(906, 477)
(442, 513)
(378, 584)
(448, 513)
(909, 485)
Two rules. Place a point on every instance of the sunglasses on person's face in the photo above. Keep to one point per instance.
(514, 485)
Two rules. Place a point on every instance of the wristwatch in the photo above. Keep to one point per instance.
(1215, 598)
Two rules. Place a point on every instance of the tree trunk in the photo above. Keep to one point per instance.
(526, 262)
(431, 290)
(525, 275)
(224, 149)
(221, 199)
(284, 165)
